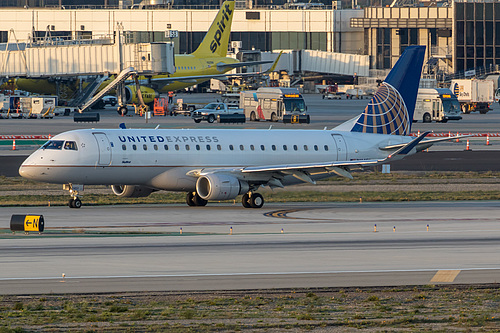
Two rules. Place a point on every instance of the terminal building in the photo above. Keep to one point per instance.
(459, 35)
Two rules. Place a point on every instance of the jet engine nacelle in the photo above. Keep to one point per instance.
(220, 187)
(148, 94)
(131, 191)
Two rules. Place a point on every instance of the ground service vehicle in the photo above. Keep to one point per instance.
(274, 104)
(473, 95)
(213, 111)
(436, 105)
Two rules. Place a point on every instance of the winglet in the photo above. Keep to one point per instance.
(409, 146)
(271, 69)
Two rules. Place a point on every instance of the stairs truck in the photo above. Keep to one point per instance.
(474, 95)
(436, 104)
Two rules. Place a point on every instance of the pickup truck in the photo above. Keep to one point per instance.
(211, 111)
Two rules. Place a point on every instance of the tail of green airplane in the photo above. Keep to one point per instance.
(215, 42)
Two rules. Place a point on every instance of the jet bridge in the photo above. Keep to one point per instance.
(76, 58)
(38, 61)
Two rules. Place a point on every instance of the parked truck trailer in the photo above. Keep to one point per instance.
(474, 95)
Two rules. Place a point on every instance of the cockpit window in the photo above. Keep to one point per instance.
(53, 144)
(70, 145)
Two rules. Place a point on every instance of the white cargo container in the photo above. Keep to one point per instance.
(436, 104)
(474, 95)
(39, 106)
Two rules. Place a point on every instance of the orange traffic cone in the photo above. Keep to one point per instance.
(14, 144)
(488, 139)
(467, 147)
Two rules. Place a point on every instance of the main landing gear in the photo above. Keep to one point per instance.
(252, 200)
(193, 199)
(74, 202)
(249, 200)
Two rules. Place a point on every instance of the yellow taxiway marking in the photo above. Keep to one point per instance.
(445, 276)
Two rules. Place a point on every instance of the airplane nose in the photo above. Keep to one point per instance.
(27, 170)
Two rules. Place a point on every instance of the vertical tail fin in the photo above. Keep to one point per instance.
(215, 42)
(390, 110)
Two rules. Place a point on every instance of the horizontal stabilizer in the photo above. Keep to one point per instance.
(426, 143)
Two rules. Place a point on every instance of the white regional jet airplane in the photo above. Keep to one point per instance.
(220, 164)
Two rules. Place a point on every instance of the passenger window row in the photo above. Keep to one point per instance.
(231, 147)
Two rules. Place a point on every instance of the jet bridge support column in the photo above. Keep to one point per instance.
(120, 95)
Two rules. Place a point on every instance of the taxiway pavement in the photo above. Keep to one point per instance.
(140, 248)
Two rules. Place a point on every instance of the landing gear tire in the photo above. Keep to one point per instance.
(193, 199)
(256, 200)
(245, 201)
(211, 119)
(253, 117)
(75, 203)
(122, 110)
(189, 199)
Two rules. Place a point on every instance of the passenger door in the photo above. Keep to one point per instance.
(104, 149)
(341, 147)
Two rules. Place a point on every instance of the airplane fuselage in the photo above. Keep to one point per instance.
(162, 158)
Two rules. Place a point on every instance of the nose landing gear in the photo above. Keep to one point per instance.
(73, 189)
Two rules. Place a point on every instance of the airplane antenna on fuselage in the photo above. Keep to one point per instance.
(157, 126)
(270, 127)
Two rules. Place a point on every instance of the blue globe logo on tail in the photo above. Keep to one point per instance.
(385, 114)
(390, 111)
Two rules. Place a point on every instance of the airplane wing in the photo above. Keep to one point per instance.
(192, 78)
(271, 174)
(223, 66)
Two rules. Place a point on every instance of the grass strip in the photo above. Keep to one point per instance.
(408, 309)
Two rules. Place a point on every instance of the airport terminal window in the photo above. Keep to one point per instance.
(145, 147)
(262, 147)
(134, 147)
(326, 148)
(176, 147)
(54, 144)
(155, 147)
(124, 147)
(242, 147)
(219, 147)
(70, 145)
(197, 147)
(165, 147)
(231, 147)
